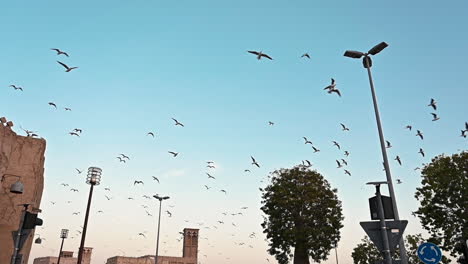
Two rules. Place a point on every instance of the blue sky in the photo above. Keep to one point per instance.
(143, 62)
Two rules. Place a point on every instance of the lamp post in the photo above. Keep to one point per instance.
(159, 224)
(93, 178)
(367, 63)
(63, 235)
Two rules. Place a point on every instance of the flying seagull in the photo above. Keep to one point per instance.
(332, 88)
(150, 134)
(347, 172)
(344, 127)
(435, 117)
(73, 190)
(346, 153)
(339, 164)
(399, 181)
(53, 104)
(270, 123)
(16, 87)
(259, 54)
(224, 191)
(389, 145)
(209, 176)
(68, 69)
(398, 159)
(344, 162)
(207, 187)
(307, 141)
(336, 144)
(74, 134)
(121, 160)
(421, 151)
(305, 55)
(419, 134)
(315, 149)
(141, 234)
(155, 179)
(79, 171)
(174, 154)
(254, 162)
(138, 182)
(409, 127)
(124, 156)
(60, 52)
(67, 108)
(433, 103)
(177, 123)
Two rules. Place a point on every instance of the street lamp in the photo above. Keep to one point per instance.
(367, 62)
(93, 178)
(63, 235)
(17, 187)
(159, 224)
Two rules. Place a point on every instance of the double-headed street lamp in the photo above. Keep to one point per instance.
(367, 63)
(93, 178)
(159, 224)
(63, 235)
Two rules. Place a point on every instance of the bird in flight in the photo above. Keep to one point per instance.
(344, 128)
(339, 164)
(155, 179)
(246, 170)
(174, 154)
(209, 176)
(106, 189)
(108, 198)
(59, 52)
(346, 153)
(270, 123)
(399, 181)
(122, 160)
(141, 234)
(433, 103)
(124, 156)
(68, 69)
(344, 162)
(210, 166)
(206, 186)
(398, 160)
(389, 145)
(259, 54)
(53, 104)
(419, 134)
(306, 55)
(177, 123)
(421, 151)
(67, 108)
(409, 127)
(64, 184)
(315, 149)
(74, 134)
(224, 191)
(73, 190)
(79, 171)
(138, 182)
(307, 141)
(254, 162)
(435, 117)
(336, 144)
(332, 88)
(76, 213)
(150, 134)
(147, 213)
(16, 87)
(169, 213)
(347, 172)
(77, 130)
(309, 164)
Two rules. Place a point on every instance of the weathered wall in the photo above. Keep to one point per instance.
(23, 157)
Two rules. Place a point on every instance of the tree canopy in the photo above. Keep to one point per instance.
(443, 211)
(302, 212)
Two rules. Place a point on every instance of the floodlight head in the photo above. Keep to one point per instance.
(64, 233)
(17, 187)
(94, 176)
(377, 183)
(165, 197)
(353, 54)
(378, 48)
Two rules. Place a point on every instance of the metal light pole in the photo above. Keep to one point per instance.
(367, 63)
(336, 255)
(63, 235)
(159, 225)
(93, 178)
(18, 235)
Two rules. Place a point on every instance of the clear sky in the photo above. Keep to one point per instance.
(142, 62)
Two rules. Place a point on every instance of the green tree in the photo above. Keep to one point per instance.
(444, 201)
(302, 212)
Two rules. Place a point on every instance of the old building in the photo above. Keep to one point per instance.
(189, 253)
(21, 163)
(66, 258)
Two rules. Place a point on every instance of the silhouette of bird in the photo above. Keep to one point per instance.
(409, 127)
(315, 149)
(59, 52)
(141, 234)
(155, 179)
(305, 55)
(106, 189)
(307, 141)
(107, 197)
(100, 211)
(344, 128)
(331, 86)
(254, 162)
(130, 198)
(259, 54)
(211, 166)
(309, 164)
(53, 203)
(174, 154)
(346, 153)
(169, 213)
(138, 182)
(339, 164)
(124, 156)
(76, 213)
(78, 130)
(245, 207)
(246, 170)
(399, 181)
(344, 162)
(435, 117)
(16, 87)
(270, 123)
(419, 134)
(398, 159)
(68, 69)
(206, 186)
(53, 104)
(433, 103)
(336, 144)
(73, 190)
(224, 191)
(389, 145)
(347, 172)
(64, 184)
(150, 134)
(74, 134)
(421, 151)
(177, 123)
(209, 176)
(122, 160)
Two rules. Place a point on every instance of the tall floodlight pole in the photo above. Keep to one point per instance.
(367, 62)
(63, 235)
(159, 225)
(93, 178)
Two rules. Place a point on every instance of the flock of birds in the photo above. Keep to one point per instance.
(341, 161)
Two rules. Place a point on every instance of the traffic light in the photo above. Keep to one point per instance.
(31, 221)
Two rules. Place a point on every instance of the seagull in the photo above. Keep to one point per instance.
(150, 134)
(177, 123)
(206, 186)
(138, 182)
(130, 198)
(76, 213)
(124, 156)
(211, 166)
(305, 55)
(73, 190)
(100, 211)
(209, 176)
(77, 130)
(106, 189)
(336, 144)
(346, 153)
(344, 162)
(389, 145)
(315, 149)
(141, 234)
(243, 208)
(53, 104)
(53, 203)
(435, 117)
(210, 162)
(107, 197)
(246, 170)
(64, 184)
(224, 191)
(270, 123)
(421, 151)
(347, 172)
(173, 153)
(60, 52)
(169, 213)
(409, 127)
(433, 103)
(331, 86)
(122, 160)
(259, 54)
(148, 213)
(308, 163)
(307, 141)
(399, 181)
(74, 134)
(419, 134)
(417, 168)
(339, 164)
(68, 69)
(344, 127)
(155, 179)
(398, 159)
(16, 87)
(254, 162)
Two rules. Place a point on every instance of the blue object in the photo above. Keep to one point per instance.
(429, 253)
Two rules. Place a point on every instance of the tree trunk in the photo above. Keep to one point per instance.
(300, 254)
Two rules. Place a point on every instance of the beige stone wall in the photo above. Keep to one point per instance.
(150, 260)
(24, 157)
(53, 260)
